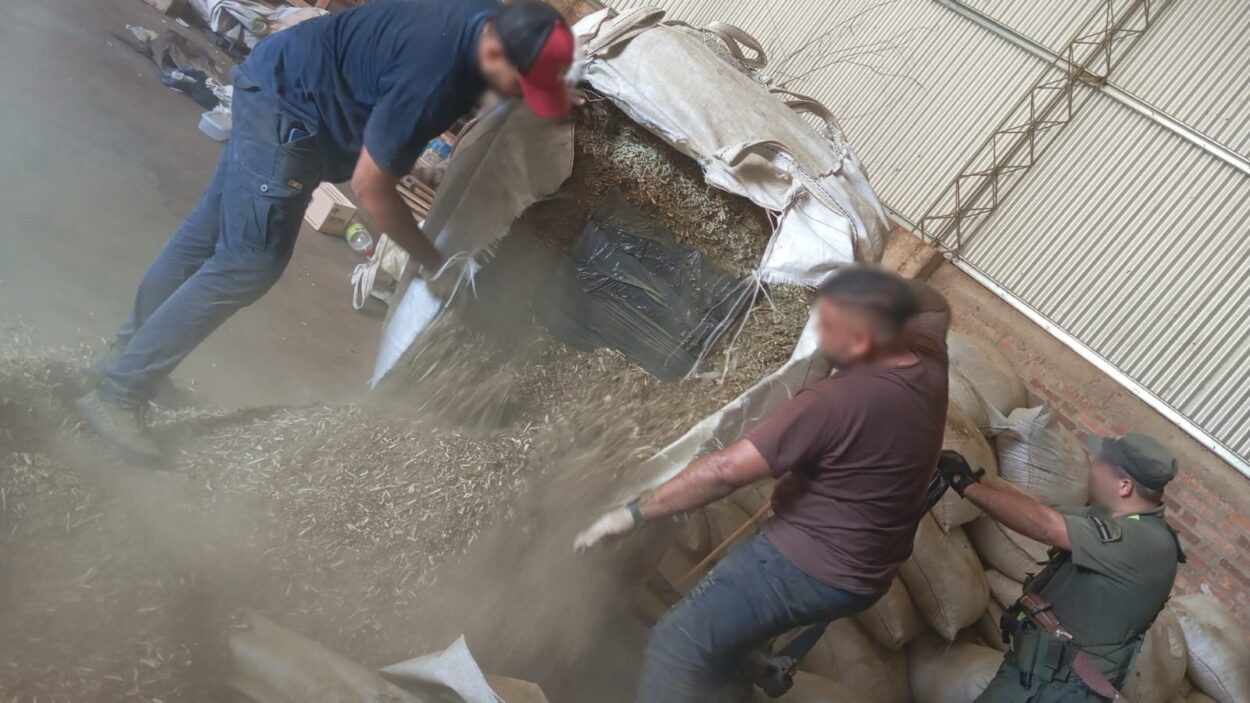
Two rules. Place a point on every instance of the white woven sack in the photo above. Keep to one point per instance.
(893, 620)
(1002, 548)
(1218, 647)
(945, 579)
(1160, 665)
(989, 370)
(950, 673)
(1037, 454)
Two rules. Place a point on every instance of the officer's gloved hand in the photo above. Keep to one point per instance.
(955, 469)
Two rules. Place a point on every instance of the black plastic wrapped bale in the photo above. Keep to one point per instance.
(627, 284)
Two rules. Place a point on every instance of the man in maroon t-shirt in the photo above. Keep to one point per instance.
(854, 454)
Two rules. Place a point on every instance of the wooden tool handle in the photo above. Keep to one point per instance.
(723, 546)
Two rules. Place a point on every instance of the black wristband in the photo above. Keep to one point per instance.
(636, 511)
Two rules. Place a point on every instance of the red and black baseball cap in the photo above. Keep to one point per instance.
(538, 41)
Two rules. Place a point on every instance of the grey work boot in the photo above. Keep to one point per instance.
(120, 426)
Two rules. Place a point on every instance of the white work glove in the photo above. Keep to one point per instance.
(616, 522)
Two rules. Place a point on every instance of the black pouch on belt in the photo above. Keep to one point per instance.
(1025, 642)
(1056, 655)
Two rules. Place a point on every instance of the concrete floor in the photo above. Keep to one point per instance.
(101, 164)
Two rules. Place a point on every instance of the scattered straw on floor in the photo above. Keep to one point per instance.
(341, 522)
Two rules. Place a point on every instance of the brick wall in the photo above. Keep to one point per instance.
(1209, 503)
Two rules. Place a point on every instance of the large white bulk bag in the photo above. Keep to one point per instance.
(848, 654)
(1006, 550)
(1037, 454)
(728, 424)
(943, 672)
(945, 579)
(893, 620)
(1160, 666)
(989, 370)
(1005, 590)
(962, 436)
(1218, 647)
(964, 394)
(748, 141)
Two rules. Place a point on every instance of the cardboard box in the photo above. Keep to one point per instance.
(330, 211)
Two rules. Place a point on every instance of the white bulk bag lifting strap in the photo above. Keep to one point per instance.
(633, 22)
(734, 38)
(804, 103)
(624, 27)
(779, 155)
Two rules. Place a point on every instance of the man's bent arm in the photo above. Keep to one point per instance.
(928, 300)
(706, 480)
(1021, 513)
(376, 190)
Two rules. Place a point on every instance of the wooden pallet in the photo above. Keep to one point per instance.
(418, 196)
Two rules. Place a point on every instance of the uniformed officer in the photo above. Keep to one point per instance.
(1076, 631)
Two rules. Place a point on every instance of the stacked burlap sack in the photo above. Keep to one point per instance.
(934, 638)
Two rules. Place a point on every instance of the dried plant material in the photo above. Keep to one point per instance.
(378, 530)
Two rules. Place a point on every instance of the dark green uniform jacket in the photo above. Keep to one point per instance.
(1106, 591)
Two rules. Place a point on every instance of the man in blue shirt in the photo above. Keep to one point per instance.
(354, 95)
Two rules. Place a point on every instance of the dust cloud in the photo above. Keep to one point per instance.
(444, 504)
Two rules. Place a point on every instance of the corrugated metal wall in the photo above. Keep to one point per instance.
(1051, 24)
(1126, 236)
(1145, 258)
(1195, 65)
(885, 69)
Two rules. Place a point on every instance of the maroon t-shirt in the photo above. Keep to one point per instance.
(855, 453)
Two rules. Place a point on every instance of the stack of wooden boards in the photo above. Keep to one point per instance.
(418, 196)
(934, 638)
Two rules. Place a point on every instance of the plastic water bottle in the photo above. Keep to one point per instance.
(359, 239)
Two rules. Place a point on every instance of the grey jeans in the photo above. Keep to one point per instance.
(754, 594)
(229, 251)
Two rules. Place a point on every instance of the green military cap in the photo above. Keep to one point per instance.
(1142, 457)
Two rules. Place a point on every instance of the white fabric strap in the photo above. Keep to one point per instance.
(780, 156)
(804, 103)
(624, 27)
(735, 38)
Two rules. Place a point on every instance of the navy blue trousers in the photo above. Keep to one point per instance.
(753, 595)
(229, 251)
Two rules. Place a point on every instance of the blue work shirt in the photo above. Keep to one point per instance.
(389, 76)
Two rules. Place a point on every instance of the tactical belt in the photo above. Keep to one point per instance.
(1039, 611)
